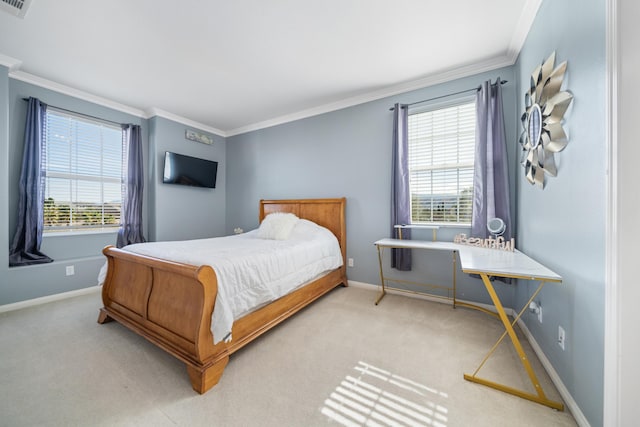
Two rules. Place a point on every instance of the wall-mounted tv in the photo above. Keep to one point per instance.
(187, 170)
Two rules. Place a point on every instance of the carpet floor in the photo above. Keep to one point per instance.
(342, 361)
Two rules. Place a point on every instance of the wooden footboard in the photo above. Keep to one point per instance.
(168, 303)
(171, 304)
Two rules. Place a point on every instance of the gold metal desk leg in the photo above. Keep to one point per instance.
(383, 292)
(539, 397)
(453, 262)
(504, 334)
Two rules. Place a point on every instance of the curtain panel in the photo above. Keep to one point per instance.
(491, 177)
(400, 192)
(25, 247)
(131, 230)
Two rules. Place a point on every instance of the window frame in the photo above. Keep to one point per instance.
(434, 106)
(77, 229)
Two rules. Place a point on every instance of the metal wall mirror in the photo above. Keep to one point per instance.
(543, 135)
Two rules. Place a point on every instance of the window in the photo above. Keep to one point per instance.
(441, 156)
(83, 161)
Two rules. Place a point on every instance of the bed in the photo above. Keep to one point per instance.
(171, 304)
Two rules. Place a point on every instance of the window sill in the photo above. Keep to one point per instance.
(46, 235)
(437, 225)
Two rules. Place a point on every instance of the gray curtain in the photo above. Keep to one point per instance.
(131, 217)
(400, 194)
(25, 247)
(491, 178)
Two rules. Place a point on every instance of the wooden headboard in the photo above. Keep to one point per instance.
(329, 213)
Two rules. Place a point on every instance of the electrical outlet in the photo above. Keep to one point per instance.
(70, 270)
(350, 262)
(561, 337)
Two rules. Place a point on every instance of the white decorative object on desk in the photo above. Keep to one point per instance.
(490, 243)
(238, 230)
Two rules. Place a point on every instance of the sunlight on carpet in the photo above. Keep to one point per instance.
(375, 397)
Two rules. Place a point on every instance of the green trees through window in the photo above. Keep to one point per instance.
(65, 215)
(441, 158)
(83, 173)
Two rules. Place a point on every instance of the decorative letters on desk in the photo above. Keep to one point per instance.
(490, 243)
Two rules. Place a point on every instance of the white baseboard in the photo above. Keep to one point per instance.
(423, 296)
(48, 298)
(555, 378)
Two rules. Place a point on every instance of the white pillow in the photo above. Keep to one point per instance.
(277, 226)
(307, 230)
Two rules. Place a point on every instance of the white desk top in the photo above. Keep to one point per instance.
(418, 244)
(504, 264)
(482, 260)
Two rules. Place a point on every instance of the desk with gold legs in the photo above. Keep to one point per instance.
(488, 263)
(418, 244)
(495, 263)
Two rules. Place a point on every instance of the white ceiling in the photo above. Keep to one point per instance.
(237, 65)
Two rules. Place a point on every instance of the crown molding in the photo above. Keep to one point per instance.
(525, 21)
(11, 63)
(76, 93)
(528, 15)
(153, 112)
(434, 79)
(442, 77)
(16, 74)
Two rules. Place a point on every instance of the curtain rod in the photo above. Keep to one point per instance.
(449, 94)
(81, 114)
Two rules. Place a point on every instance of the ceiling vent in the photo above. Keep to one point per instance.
(15, 7)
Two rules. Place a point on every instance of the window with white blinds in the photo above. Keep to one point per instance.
(441, 157)
(84, 164)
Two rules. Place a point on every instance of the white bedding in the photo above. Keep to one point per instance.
(252, 271)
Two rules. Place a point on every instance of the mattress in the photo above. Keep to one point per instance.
(253, 271)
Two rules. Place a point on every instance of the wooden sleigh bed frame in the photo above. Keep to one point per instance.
(170, 304)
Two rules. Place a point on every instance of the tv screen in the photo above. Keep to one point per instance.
(186, 170)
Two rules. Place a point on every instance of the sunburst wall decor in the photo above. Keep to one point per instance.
(543, 135)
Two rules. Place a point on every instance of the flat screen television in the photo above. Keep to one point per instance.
(187, 170)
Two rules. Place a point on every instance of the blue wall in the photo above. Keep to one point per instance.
(348, 153)
(182, 212)
(563, 225)
(81, 251)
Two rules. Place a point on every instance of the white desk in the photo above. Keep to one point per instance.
(399, 227)
(503, 264)
(417, 244)
(489, 263)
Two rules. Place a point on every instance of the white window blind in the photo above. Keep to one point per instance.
(83, 177)
(441, 157)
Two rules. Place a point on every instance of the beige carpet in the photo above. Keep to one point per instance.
(341, 361)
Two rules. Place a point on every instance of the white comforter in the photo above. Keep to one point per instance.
(252, 271)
